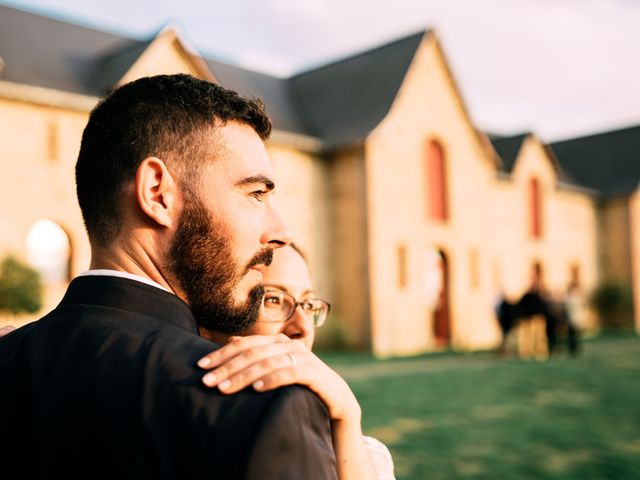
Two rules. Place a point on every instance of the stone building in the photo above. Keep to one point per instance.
(609, 164)
(413, 219)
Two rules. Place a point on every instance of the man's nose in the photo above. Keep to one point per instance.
(277, 233)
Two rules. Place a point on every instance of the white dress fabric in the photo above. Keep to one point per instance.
(380, 457)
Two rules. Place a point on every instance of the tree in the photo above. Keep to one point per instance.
(20, 287)
(614, 304)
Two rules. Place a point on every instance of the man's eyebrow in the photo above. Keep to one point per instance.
(266, 181)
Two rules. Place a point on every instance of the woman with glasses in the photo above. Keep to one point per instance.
(276, 351)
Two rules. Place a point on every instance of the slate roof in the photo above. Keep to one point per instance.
(49, 53)
(508, 148)
(275, 92)
(607, 162)
(337, 104)
(345, 100)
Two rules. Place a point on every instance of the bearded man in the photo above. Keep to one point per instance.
(175, 187)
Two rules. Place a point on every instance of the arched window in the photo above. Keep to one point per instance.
(436, 181)
(535, 209)
(49, 251)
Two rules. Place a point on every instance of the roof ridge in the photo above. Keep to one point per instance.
(597, 134)
(499, 137)
(361, 53)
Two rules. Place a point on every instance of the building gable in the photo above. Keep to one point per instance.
(50, 54)
(508, 149)
(166, 53)
(481, 140)
(533, 159)
(344, 101)
(429, 69)
(511, 150)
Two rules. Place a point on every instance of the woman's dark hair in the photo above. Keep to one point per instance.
(172, 117)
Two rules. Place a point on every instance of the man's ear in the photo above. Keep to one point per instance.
(157, 192)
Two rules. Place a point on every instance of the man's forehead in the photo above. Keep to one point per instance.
(241, 155)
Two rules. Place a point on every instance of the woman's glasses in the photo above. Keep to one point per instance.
(279, 306)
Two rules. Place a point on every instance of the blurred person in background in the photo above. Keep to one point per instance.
(573, 312)
(536, 322)
(507, 316)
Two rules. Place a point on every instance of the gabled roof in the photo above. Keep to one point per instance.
(274, 91)
(607, 162)
(336, 104)
(111, 67)
(508, 148)
(49, 53)
(343, 101)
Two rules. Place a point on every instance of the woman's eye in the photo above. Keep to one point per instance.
(273, 301)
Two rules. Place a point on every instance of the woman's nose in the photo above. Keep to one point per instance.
(299, 326)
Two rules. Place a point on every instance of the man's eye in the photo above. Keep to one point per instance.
(259, 194)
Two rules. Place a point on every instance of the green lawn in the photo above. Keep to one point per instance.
(479, 416)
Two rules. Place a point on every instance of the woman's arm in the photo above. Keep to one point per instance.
(268, 362)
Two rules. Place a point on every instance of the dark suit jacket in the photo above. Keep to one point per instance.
(106, 386)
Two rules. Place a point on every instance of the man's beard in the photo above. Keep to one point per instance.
(202, 260)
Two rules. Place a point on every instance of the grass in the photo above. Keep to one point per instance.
(478, 416)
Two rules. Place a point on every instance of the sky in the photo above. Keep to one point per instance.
(558, 68)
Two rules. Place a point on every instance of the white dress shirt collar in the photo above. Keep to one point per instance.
(117, 273)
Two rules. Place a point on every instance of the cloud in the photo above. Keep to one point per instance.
(267, 62)
(552, 65)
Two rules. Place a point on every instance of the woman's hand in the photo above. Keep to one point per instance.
(6, 329)
(268, 362)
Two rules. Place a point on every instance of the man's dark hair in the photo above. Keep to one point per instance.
(172, 117)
